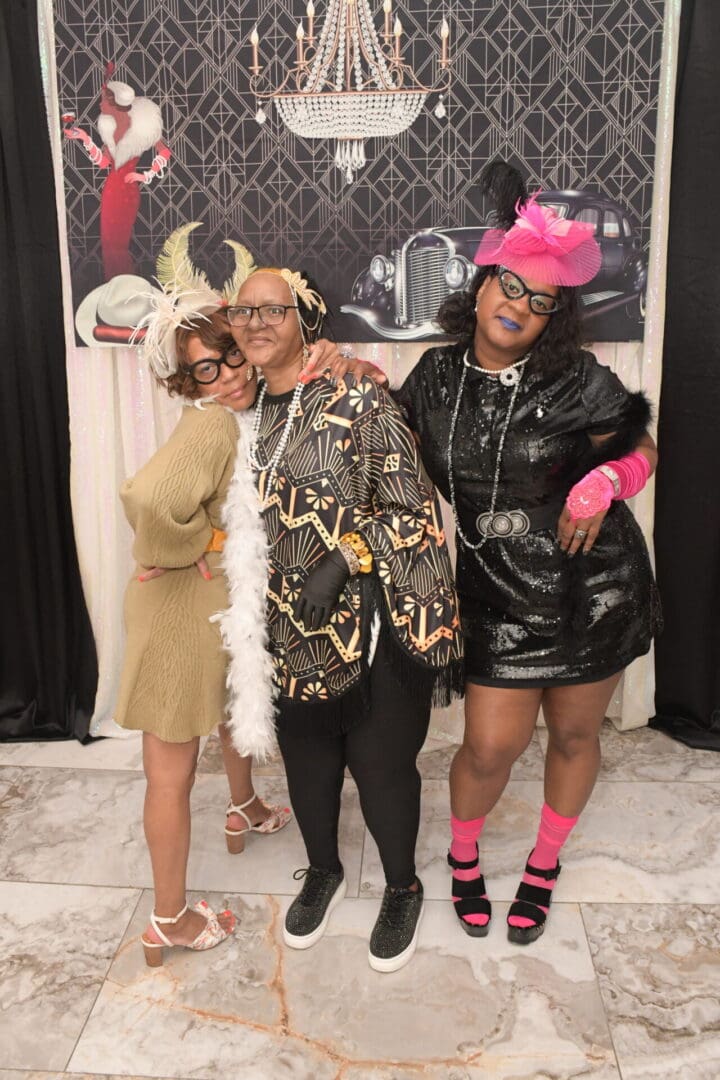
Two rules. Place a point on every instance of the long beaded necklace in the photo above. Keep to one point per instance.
(274, 461)
(513, 377)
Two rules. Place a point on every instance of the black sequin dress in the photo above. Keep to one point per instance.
(532, 616)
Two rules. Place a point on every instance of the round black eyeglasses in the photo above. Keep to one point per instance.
(208, 371)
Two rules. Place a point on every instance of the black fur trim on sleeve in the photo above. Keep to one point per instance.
(636, 418)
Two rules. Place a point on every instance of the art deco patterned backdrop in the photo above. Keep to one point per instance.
(569, 90)
(566, 89)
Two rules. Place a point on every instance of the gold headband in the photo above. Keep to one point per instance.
(298, 285)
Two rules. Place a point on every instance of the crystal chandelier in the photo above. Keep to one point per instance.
(348, 85)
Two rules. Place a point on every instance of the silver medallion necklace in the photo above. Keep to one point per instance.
(273, 463)
(513, 377)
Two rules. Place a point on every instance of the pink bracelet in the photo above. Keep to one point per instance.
(614, 480)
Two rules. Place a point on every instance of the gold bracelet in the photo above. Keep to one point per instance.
(350, 558)
(358, 545)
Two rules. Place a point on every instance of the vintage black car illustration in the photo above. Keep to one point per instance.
(398, 296)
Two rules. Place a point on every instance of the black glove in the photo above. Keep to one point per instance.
(321, 591)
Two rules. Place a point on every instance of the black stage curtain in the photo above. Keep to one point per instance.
(687, 520)
(48, 666)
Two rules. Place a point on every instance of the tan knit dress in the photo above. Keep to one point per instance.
(173, 678)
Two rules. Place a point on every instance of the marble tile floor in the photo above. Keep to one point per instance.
(624, 985)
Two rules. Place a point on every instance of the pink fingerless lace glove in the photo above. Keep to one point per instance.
(614, 480)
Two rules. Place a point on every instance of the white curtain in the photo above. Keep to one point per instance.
(118, 417)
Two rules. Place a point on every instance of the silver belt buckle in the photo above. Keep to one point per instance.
(503, 523)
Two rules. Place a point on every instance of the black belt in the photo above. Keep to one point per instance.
(504, 524)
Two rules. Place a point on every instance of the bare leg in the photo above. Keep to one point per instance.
(499, 725)
(170, 773)
(239, 773)
(574, 716)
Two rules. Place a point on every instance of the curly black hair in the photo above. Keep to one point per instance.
(558, 343)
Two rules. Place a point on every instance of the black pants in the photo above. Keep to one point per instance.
(380, 752)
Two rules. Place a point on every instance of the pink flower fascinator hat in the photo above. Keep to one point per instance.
(543, 247)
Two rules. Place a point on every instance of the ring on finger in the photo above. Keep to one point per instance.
(580, 534)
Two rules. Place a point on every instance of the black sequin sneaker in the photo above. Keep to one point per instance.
(395, 933)
(308, 915)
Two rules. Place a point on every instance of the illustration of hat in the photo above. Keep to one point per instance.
(109, 314)
(123, 93)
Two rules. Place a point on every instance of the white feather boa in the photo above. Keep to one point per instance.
(251, 691)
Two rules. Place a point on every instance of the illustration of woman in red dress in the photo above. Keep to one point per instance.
(129, 126)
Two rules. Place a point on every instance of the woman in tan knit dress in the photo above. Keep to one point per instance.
(173, 680)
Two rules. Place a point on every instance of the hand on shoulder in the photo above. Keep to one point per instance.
(327, 360)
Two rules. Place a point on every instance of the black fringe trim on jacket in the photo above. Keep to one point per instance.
(416, 675)
(329, 718)
(418, 679)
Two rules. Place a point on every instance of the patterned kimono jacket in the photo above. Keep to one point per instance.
(351, 464)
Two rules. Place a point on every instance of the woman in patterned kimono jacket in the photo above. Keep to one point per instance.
(362, 611)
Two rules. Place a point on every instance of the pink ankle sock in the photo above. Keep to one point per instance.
(552, 834)
(465, 835)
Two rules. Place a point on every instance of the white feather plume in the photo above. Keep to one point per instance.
(185, 298)
(175, 267)
(172, 308)
(244, 267)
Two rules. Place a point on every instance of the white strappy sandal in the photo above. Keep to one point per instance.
(210, 936)
(279, 817)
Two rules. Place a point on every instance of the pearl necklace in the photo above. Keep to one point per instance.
(508, 376)
(274, 461)
(514, 374)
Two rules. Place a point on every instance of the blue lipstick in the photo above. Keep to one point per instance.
(509, 324)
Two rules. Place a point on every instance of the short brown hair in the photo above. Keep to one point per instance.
(214, 332)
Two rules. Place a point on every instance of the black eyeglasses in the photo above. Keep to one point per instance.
(269, 314)
(208, 371)
(514, 287)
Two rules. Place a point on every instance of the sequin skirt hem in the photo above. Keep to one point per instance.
(592, 676)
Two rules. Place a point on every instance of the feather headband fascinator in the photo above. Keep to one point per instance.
(300, 290)
(186, 298)
(543, 246)
(311, 298)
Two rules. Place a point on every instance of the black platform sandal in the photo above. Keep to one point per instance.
(470, 899)
(528, 904)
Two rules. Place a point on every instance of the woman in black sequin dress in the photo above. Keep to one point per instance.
(553, 605)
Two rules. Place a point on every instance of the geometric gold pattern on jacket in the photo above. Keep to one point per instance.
(352, 464)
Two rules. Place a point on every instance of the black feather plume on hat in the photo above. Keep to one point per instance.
(502, 183)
